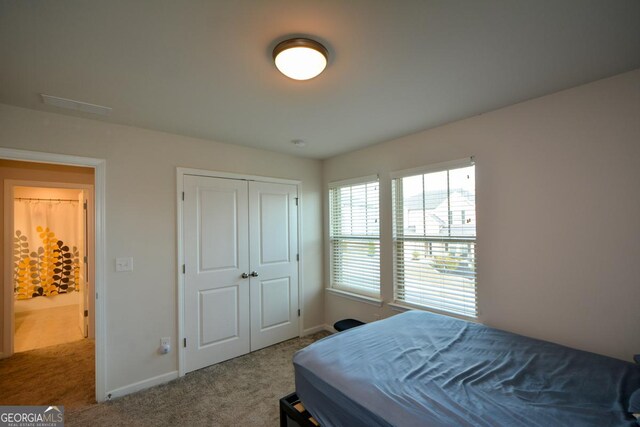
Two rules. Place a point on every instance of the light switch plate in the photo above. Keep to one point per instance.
(124, 264)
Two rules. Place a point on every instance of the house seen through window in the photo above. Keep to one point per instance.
(435, 240)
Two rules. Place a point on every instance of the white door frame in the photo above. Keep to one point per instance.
(99, 166)
(9, 226)
(181, 172)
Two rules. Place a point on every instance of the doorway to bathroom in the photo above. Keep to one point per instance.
(48, 309)
(50, 265)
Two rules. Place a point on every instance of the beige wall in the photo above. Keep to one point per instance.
(141, 222)
(558, 243)
(558, 207)
(27, 171)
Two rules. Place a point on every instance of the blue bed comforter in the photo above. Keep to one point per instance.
(424, 369)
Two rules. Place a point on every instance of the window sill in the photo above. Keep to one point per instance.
(402, 307)
(356, 297)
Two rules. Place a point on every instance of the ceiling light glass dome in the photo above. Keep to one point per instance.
(300, 58)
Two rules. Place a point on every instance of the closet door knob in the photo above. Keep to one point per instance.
(245, 276)
(254, 274)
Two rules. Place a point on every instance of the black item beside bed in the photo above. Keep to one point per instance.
(344, 324)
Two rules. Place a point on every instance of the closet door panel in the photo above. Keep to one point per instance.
(218, 234)
(275, 309)
(274, 229)
(273, 224)
(216, 255)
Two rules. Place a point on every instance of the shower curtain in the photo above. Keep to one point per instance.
(45, 249)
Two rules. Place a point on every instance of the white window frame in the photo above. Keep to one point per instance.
(438, 167)
(344, 289)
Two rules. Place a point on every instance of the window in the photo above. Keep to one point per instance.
(355, 236)
(435, 239)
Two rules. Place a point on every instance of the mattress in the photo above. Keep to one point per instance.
(420, 368)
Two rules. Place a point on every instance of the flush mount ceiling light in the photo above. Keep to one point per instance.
(300, 58)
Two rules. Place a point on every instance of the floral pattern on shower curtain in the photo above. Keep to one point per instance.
(45, 249)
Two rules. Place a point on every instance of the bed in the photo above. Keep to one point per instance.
(423, 369)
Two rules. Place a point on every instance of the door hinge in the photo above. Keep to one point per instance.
(183, 196)
(85, 259)
(296, 201)
(298, 312)
(184, 343)
(85, 205)
(86, 313)
(184, 269)
(96, 295)
(297, 257)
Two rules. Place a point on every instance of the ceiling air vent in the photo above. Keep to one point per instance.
(70, 104)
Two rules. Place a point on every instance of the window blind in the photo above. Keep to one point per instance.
(355, 236)
(434, 217)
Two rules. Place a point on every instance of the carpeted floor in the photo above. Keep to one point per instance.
(239, 392)
(62, 374)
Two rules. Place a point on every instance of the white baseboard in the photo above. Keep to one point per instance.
(330, 329)
(318, 328)
(141, 385)
(313, 330)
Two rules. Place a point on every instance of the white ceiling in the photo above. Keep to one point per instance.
(203, 68)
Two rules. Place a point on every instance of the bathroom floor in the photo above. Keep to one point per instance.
(46, 327)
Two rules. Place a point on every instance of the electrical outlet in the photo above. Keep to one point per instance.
(165, 345)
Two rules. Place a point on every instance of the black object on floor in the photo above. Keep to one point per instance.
(293, 414)
(344, 324)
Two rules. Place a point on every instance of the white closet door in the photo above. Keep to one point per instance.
(273, 221)
(216, 297)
